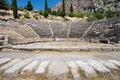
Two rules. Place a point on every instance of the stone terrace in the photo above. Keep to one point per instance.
(37, 29)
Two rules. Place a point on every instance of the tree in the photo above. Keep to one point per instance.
(71, 9)
(46, 9)
(29, 6)
(63, 8)
(4, 4)
(15, 8)
(116, 5)
(59, 12)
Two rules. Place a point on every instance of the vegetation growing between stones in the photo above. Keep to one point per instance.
(27, 15)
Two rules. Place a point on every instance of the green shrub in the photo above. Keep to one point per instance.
(59, 13)
(118, 14)
(91, 19)
(87, 14)
(99, 15)
(46, 14)
(110, 14)
(80, 15)
(21, 9)
(27, 15)
(35, 16)
(66, 19)
(53, 13)
(71, 14)
(41, 12)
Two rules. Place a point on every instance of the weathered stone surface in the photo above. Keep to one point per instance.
(8, 65)
(74, 70)
(59, 70)
(109, 64)
(42, 67)
(30, 67)
(12, 71)
(40, 27)
(59, 30)
(115, 62)
(63, 66)
(89, 71)
(30, 30)
(4, 60)
(97, 65)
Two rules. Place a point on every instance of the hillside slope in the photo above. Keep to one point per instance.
(84, 5)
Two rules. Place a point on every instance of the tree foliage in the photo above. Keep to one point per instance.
(15, 8)
(29, 6)
(46, 9)
(4, 4)
(63, 8)
(71, 9)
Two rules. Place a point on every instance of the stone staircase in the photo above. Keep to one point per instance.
(31, 68)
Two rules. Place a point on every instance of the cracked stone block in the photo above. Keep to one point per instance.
(58, 70)
(98, 66)
(89, 71)
(74, 70)
(12, 71)
(30, 67)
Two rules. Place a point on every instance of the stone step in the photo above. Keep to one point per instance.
(98, 66)
(30, 67)
(74, 70)
(110, 65)
(4, 60)
(115, 62)
(8, 65)
(41, 68)
(89, 71)
(59, 70)
(11, 72)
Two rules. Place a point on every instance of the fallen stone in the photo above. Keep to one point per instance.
(41, 68)
(74, 70)
(89, 71)
(97, 65)
(12, 72)
(58, 70)
(8, 65)
(4, 60)
(115, 62)
(30, 67)
(110, 65)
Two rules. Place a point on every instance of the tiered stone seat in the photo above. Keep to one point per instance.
(41, 28)
(78, 29)
(23, 29)
(59, 29)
